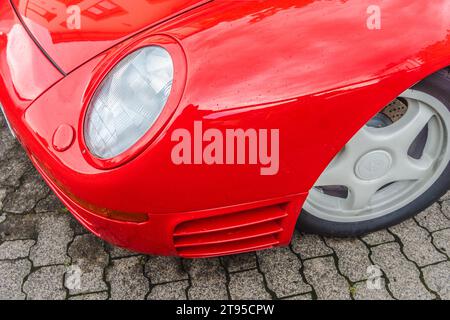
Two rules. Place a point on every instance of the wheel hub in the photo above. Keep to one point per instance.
(373, 165)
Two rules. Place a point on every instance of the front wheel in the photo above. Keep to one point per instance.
(397, 165)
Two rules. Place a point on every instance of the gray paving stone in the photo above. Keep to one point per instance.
(15, 249)
(76, 227)
(208, 279)
(362, 292)
(14, 168)
(89, 256)
(2, 217)
(164, 269)
(281, 268)
(403, 275)
(32, 189)
(307, 296)
(433, 219)
(7, 142)
(54, 235)
(446, 196)
(16, 227)
(127, 280)
(323, 275)
(117, 252)
(417, 244)
(50, 203)
(169, 291)
(248, 285)
(378, 237)
(12, 274)
(353, 257)
(441, 240)
(309, 246)
(3, 193)
(446, 208)
(91, 296)
(240, 262)
(437, 277)
(46, 283)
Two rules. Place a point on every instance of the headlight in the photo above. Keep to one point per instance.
(128, 102)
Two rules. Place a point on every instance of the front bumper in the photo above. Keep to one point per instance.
(192, 211)
(198, 234)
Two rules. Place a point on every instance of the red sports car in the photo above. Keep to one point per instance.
(209, 127)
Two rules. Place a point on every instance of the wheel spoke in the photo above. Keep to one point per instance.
(401, 134)
(337, 171)
(359, 196)
(412, 169)
(365, 140)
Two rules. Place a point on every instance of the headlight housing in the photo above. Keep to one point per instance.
(128, 101)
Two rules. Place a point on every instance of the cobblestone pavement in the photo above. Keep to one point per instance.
(46, 254)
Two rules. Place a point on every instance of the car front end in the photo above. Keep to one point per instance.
(102, 132)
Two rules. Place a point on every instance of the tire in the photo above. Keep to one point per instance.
(437, 86)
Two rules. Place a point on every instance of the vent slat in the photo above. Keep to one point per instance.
(239, 234)
(231, 233)
(259, 243)
(230, 221)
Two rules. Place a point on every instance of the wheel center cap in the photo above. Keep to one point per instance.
(373, 165)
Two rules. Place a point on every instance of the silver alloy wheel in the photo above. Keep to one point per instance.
(376, 170)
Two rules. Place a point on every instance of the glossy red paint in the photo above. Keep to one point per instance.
(25, 71)
(63, 138)
(311, 69)
(102, 24)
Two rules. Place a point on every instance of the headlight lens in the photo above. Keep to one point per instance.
(128, 102)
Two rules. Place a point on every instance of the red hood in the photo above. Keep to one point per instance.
(70, 41)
